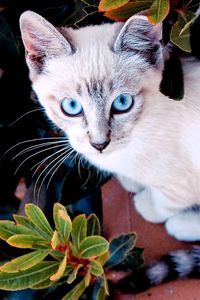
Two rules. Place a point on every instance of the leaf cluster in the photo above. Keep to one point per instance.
(73, 252)
(179, 15)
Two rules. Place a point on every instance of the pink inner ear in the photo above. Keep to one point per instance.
(31, 49)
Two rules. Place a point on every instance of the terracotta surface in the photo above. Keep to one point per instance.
(119, 217)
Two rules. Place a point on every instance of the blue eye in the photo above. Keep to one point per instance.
(71, 107)
(122, 104)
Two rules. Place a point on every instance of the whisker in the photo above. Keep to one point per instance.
(25, 114)
(40, 163)
(28, 149)
(52, 162)
(60, 163)
(34, 154)
(32, 140)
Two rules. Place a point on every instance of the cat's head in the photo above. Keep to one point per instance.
(93, 82)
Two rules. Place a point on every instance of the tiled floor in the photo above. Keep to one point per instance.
(119, 216)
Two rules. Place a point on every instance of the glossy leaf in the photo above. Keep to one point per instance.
(93, 246)
(26, 223)
(88, 278)
(79, 229)
(158, 11)
(73, 249)
(132, 261)
(24, 262)
(62, 221)
(48, 283)
(76, 292)
(95, 268)
(93, 225)
(9, 228)
(65, 225)
(103, 258)
(99, 291)
(129, 9)
(180, 32)
(23, 240)
(36, 215)
(55, 241)
(106, 5)
(119, 248)
(73, 274)
(61, 269)
(28, 278)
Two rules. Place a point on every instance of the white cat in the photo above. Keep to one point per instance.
(100, 85)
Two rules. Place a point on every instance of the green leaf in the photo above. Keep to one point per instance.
(100, 294)
(95, 268)
(119, 248)
(55, 241)
(76, 292)
(129, 9)
(100, 290)
(25, 222)
(65, 225)
(93, 225)
(73, 274)
(28, 278)
(23, 240)
(132, 261)
(61, 269)
(47, 283)
(93, 246)
(106, 5)
(79, 229)
(88, 278)
(36, 215)
(102, 259)
(9, 228)
(180, 32)
(62, 221)
(158, 11)
(24, 262)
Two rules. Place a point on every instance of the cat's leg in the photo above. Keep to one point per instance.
(154, 206)
(185, 226)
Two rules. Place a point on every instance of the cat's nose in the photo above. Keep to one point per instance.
(100, 147)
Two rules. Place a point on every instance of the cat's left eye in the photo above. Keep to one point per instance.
(122, 104)
(71, 107)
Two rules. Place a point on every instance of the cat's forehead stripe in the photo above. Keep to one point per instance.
(95, 87)
(79, 89)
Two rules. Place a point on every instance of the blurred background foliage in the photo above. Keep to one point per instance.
(21, 117)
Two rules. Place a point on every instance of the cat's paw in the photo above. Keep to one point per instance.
(184, 226)
(145, 206)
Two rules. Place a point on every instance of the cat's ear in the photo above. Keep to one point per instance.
(41, 40)
(139, 36)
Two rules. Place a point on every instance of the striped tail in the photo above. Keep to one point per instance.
(174, 265)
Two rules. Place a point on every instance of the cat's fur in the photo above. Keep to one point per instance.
(153, 149)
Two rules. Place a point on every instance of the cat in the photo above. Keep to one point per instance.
(100, 85)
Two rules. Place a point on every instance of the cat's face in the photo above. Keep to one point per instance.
(92, 82)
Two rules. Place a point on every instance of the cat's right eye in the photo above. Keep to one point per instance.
(71, 107)
(122, 104)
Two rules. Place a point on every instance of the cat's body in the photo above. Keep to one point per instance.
(100, 85)
(153, 146)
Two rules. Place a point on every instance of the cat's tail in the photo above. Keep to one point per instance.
(176, 264)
